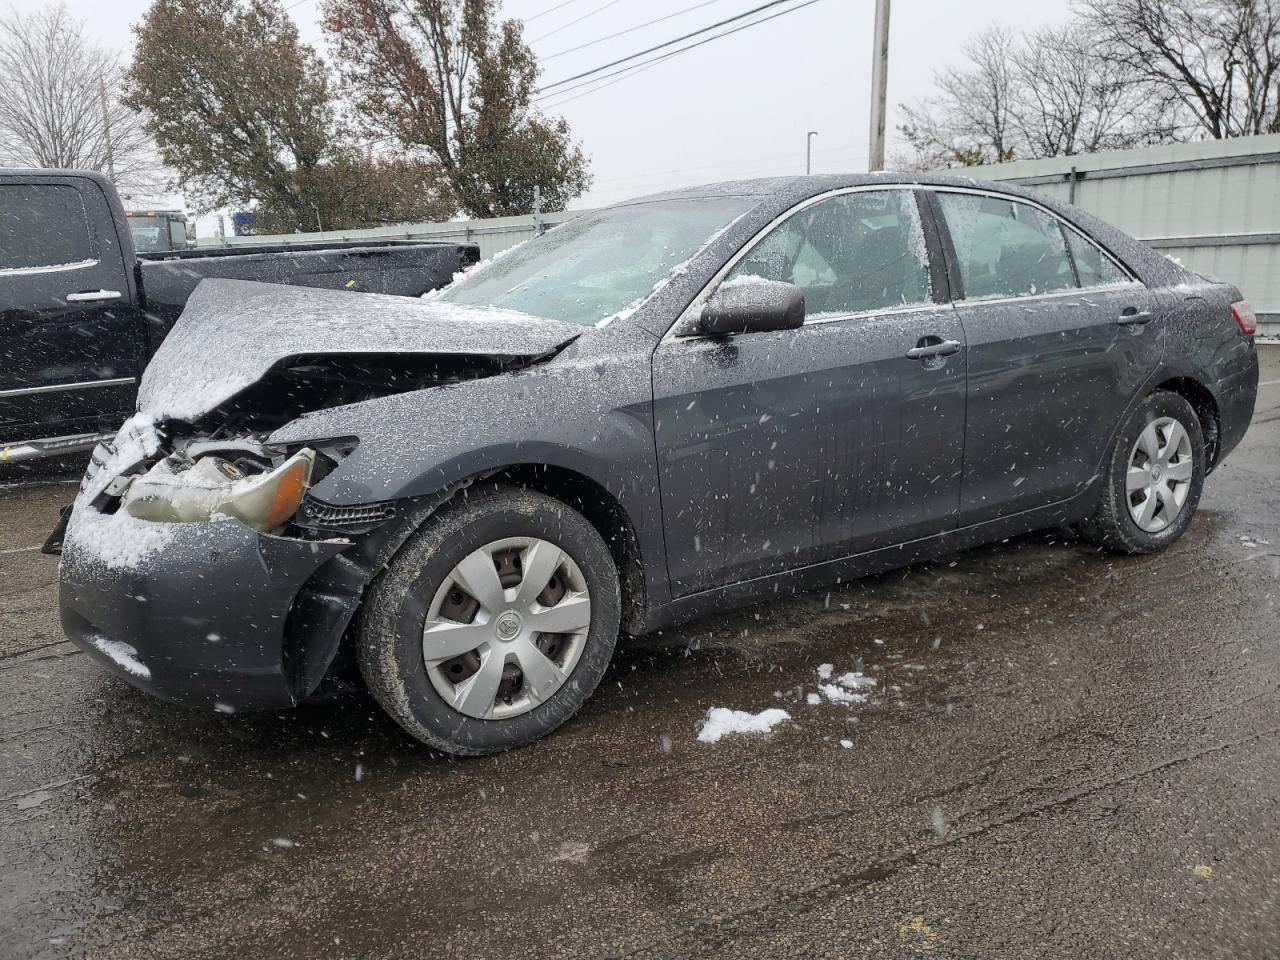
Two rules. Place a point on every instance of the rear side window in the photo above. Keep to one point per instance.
(1094, 267)
(43, 226)
(853, 253)
(1005, 248)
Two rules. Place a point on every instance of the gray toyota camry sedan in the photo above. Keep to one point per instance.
(650, 413)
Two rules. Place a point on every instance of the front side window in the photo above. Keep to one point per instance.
(601, 264)
(1006, 248)
(853, 253)
(42, 227)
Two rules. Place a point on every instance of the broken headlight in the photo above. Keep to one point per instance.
(178, 491)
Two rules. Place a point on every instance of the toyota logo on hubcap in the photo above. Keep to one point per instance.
(508, 625)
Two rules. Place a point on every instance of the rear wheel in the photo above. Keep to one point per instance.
(1153, 481)
(493, 624)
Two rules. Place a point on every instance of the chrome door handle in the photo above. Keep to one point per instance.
(93, 296)
(943, 348)
(1137, 317)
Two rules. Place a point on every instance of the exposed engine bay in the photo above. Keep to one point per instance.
(311, 382)
(221, 467)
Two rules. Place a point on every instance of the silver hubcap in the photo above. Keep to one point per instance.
(506, 628)
(1159, 475)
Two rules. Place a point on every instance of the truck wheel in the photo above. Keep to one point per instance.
(1153, 480)
(493, 624)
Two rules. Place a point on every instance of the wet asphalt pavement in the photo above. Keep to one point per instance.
(1070, 754)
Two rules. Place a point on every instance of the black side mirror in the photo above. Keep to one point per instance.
(752, 305)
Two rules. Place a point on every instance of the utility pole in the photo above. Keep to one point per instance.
(537, 210)
(808, 152)
(879, 84)
(106, 130)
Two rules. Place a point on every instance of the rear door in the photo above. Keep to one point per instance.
(778, 450)
(1059, 342)
(72, 345)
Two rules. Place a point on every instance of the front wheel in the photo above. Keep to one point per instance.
(493, 624)
(1153, 480)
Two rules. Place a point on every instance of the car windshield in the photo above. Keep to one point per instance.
(599, 264)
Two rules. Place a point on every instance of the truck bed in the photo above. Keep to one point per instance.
(399, 268)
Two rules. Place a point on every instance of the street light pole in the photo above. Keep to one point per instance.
(879, 84)
(808, 151)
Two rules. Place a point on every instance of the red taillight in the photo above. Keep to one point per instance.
(1246, 319)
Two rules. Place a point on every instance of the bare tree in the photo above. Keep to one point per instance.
(1070, 100)
(1217, 60)
(971, 120)
(60, 104)
(1060, 91)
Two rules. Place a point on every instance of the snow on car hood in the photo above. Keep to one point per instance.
(232, 332)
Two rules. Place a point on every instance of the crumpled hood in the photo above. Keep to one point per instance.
(233, 332)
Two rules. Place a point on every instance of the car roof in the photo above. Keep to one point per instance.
(793, 189)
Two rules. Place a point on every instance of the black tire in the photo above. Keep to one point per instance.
(390, 631)
(1111, 524)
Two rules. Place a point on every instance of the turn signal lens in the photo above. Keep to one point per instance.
(269, 500)
(1246, 319)
(288, 493)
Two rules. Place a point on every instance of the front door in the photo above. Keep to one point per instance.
(779, 450)
(1054, 359)
(73, 346)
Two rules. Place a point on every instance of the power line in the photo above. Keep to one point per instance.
(639, 26)
(664, 45)
(589, 13)
(667, 56)
(548, 10)
(634, 69)
(624, 74)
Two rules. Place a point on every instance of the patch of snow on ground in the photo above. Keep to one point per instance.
(722, 721)
(837, 694)
(123, 656)
(851, 687)
(854, 680)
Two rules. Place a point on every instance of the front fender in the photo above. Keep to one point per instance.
(592, 416)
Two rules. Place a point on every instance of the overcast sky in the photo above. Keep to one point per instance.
(736, 107)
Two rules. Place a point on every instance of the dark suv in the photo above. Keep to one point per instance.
(651, 413)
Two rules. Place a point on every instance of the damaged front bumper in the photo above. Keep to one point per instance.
(194, 613)
(191, 586)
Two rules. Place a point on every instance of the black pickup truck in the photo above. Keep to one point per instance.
(81, 313)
